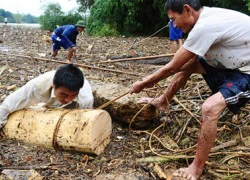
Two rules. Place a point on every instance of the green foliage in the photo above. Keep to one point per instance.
(17, 18)
(27, 18)
(53, 17)
(106, 30)
(238, 5)
(127, 17)
(7, 14)
(85, 4)
(248, 5)
(140, 17)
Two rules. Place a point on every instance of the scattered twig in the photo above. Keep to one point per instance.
(225, 145)
(189, 112)
(218, 175)
(36, 166)
(80, 65)
(137, 58)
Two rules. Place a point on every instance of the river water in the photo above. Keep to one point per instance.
(21, 24)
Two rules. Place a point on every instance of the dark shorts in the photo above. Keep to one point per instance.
(59, 42)
(233, 85)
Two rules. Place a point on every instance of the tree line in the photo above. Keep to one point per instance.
(140, 17)
(17, 18)
(122, 17)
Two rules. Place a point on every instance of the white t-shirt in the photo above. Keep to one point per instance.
(222, 38)
(40, 90)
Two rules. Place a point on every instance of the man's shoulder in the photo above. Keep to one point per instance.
(70, 26)
(44, 80)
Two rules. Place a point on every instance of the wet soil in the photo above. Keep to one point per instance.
(131, 154)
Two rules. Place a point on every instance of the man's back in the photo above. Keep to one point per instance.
(223, 35)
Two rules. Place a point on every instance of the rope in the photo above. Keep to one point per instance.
(54, 140)
(148, 36)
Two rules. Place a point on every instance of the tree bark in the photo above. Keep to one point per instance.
(79, 129)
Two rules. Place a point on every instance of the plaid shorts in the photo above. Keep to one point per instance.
(232, 84)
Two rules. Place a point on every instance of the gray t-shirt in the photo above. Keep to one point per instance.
(222, 38)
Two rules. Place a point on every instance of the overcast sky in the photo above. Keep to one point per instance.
(34, 7)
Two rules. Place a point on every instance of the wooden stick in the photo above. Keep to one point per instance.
(225, 145)
(109, 102)
(36, 166)
(138, 58)
(189, 112)
(80, 65)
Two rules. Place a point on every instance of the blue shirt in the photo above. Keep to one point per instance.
(67, 32)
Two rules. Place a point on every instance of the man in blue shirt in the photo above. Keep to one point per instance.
(175, 36)
(65, 36)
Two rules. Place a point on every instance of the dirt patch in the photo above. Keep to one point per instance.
(131, 154)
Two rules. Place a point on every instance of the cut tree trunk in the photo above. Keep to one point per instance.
(80, 130)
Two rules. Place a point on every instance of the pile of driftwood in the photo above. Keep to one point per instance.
(162, 136)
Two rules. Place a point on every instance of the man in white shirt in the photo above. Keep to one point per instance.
(65, 88)
(217, 47)
(5, 20)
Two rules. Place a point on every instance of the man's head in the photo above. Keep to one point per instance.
(80, 25)
(184, 13)
(68, 80)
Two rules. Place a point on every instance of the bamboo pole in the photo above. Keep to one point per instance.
(77, 64)
(138, 58)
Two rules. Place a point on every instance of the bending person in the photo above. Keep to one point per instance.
(217, 47)
(65, 36)
(65, 88)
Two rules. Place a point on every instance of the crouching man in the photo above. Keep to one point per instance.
(65, 87)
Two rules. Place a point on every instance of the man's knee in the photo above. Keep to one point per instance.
(211, 110)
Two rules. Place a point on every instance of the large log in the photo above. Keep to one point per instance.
(80, 130)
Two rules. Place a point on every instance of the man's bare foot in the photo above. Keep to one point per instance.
(188, 173)
(160, 103)
(53, 58)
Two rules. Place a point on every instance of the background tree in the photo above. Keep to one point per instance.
(126, 17)
(27, 18)
(18, 18)
(238, 5)
(140, 17)
(85, 4)
(7, 14)
(53, 16)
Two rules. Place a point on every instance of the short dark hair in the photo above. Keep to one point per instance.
(177, 5)
(69, 76)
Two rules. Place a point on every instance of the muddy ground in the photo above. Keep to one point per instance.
(131, 154)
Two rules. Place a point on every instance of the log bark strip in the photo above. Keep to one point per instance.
(80, 130)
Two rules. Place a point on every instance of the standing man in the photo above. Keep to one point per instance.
(5, 20)
(175, 36)
(217, 47)
(65, 36)
(65, 88)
